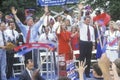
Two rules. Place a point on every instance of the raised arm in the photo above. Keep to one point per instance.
(14, 12)
(40, 22)
(19, 23)
(58, 29)
(81, 69)
(80, 7)
(115, 74)
(104, 65)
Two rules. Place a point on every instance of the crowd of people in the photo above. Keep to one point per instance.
(68, 33)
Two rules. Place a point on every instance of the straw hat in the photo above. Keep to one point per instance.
(10, 46)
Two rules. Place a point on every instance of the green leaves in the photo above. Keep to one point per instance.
(113, 8)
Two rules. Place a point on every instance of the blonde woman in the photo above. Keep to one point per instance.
(64, 47)
(112, 41)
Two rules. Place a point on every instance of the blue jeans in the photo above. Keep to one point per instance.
(3, 64)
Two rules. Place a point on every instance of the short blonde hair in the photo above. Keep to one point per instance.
(113, 23)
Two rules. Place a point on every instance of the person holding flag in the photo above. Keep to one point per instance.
(101, 20)
(87, 40)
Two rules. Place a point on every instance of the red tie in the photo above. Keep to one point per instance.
(88, 33)
(28, 36)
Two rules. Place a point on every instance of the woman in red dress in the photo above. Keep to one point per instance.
(64, 46)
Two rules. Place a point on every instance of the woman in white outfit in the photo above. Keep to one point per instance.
(112, 41)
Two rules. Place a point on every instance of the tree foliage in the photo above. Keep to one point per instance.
(110, 6)
(21, 5)
(113, 8)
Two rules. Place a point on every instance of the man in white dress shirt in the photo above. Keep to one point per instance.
(13, 36)
(12, 33)
(87, 39)
(47, 36)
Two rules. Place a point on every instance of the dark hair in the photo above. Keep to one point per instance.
(87, 13)
(98, 12)
(27, 61)
(97, 69)
(11, 21)
(87, 17)
(66, 11)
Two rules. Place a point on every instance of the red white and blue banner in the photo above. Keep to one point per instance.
(55, 2)
(25, 48)
(51, 2)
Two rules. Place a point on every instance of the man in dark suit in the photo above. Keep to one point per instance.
(30, 73)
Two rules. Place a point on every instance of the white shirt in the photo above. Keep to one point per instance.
(110, 37)
(43, 36)
(83, 32)
(1, 38)
(29, 73)
(11, 36)
(45, 20)
(45, 23)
